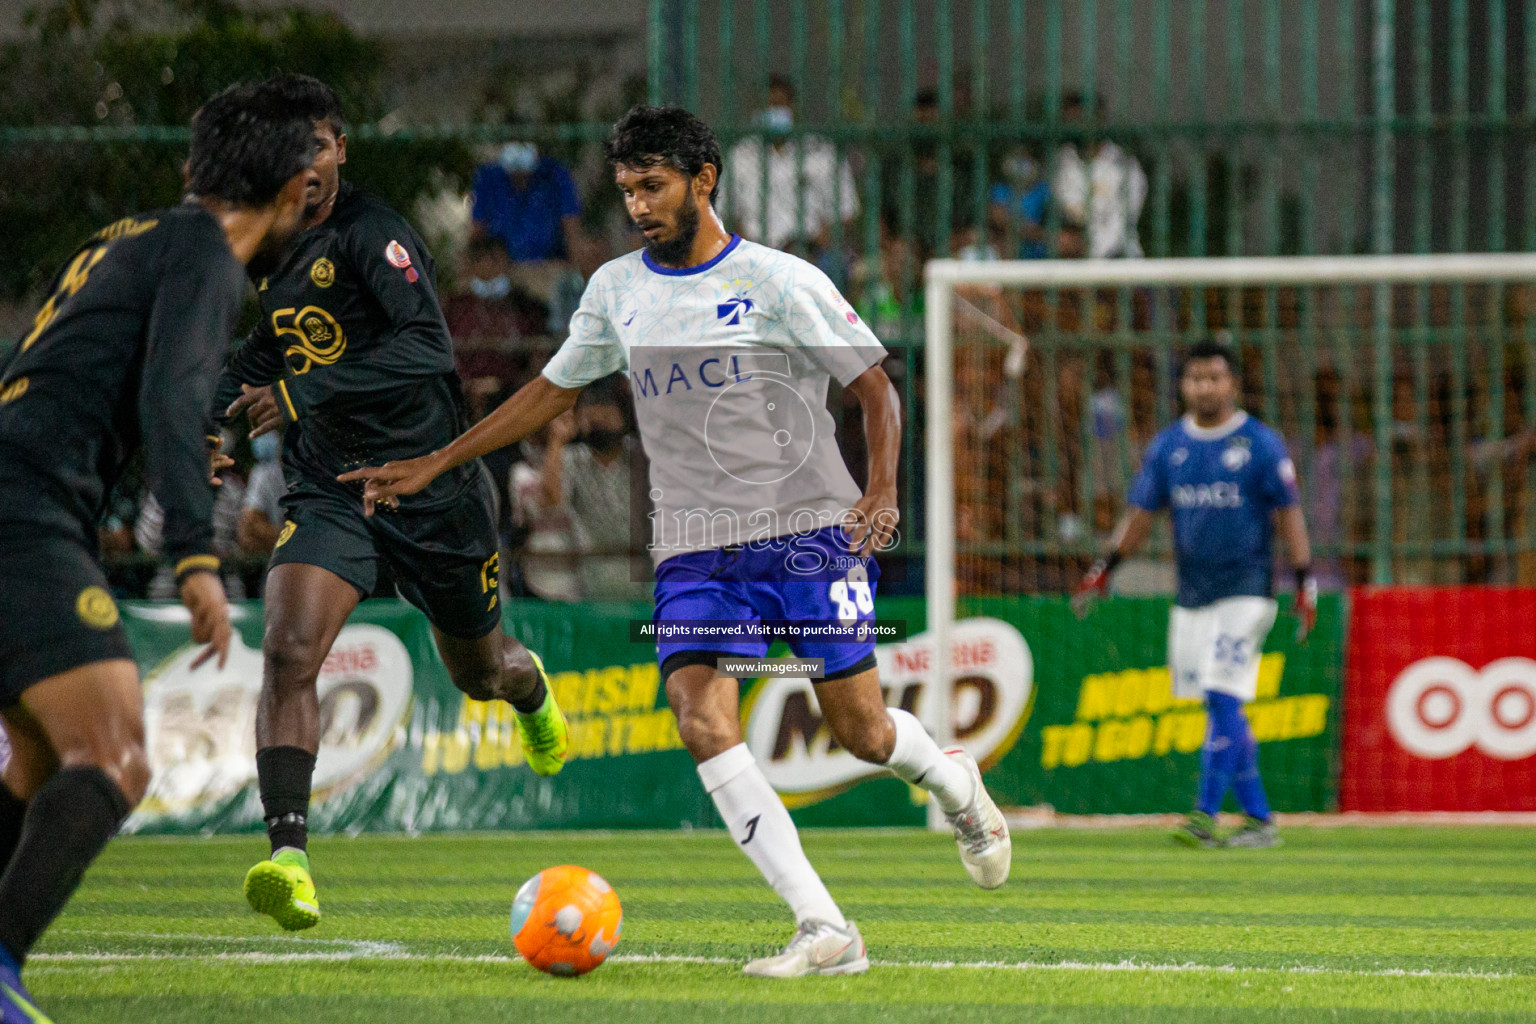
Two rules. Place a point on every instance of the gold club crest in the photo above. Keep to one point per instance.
(96, 608)
(322, 272)
(288, 528)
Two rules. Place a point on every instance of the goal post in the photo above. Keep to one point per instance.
(1396, 377)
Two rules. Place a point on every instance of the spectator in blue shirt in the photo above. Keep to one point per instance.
(1019, 203)
(529, 202)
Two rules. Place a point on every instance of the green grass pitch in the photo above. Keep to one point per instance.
(1356, 924)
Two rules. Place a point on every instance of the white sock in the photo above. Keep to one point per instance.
(918, 760)
(761, 826)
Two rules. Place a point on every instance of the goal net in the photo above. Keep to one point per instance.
(1401, 386)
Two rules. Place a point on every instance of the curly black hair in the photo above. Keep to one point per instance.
(246, 147)
(669, 136)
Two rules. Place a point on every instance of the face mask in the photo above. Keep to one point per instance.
(493, 288)
(777, 119)
(519, 157)
(1020, 170)
(264, 448)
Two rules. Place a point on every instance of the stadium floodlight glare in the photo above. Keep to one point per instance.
(1375, 276)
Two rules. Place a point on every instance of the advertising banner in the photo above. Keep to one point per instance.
(401, 749)
(1074, 714)
(1441, 712)
(1105, 736)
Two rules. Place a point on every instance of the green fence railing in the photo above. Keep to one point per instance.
(924, 128)
(1248, 127)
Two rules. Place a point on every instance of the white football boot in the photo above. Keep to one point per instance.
(980, 831)
(817, 948)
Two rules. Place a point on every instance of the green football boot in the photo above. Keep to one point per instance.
(282, 889)
(1254, 835)
(1197, 830)
(543, 732)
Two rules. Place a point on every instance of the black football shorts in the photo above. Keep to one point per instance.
(444, 561)
(56, 612)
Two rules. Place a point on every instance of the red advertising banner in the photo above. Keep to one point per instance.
(1440, 700)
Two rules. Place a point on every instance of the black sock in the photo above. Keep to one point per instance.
(68, 822)
(531, 701)
(284, 774)
(534, 699)
(12, 811)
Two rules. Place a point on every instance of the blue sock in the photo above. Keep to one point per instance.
(1224, 733)
(1246, 782)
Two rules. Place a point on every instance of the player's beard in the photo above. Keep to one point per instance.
(674, 251)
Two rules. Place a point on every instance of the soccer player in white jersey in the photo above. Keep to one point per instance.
(1229, 486)
(730, 347)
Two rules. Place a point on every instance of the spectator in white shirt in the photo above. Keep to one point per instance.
(1099, 189)
(807, 187)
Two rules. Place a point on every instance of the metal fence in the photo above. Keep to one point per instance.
(924, 128)
(1063, 373)
(1263, 126)
(1257, 127)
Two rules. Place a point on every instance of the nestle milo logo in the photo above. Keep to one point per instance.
(200, 723)
(992, 673)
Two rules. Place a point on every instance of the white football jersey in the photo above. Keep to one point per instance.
(729, 363)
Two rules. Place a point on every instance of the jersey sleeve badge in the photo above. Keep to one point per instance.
(840, 303)
(396, 256)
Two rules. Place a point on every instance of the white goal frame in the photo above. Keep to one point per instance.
(941, 277)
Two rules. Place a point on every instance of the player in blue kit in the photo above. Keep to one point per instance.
(730, 347)
(1229, 486)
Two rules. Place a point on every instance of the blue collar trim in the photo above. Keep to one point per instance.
(730, 247)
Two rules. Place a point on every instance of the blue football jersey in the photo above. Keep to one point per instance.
(1221, 486)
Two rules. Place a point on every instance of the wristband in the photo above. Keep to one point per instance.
(195, 563)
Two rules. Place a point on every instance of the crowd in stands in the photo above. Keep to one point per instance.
(573, 497)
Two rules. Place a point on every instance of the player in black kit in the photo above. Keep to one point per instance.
(124, 354)
(353, 362)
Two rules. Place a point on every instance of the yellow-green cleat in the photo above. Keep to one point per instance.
(282, 889)
(543, 732)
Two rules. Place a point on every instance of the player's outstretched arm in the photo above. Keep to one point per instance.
(874, 517)
(534, 405)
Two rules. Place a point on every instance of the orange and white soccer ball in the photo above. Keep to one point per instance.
(566, 920)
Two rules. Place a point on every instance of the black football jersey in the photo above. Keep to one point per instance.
(125, 352)
(354, 344)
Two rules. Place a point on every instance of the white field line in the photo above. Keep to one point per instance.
(1045, 817)
(363, 951)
